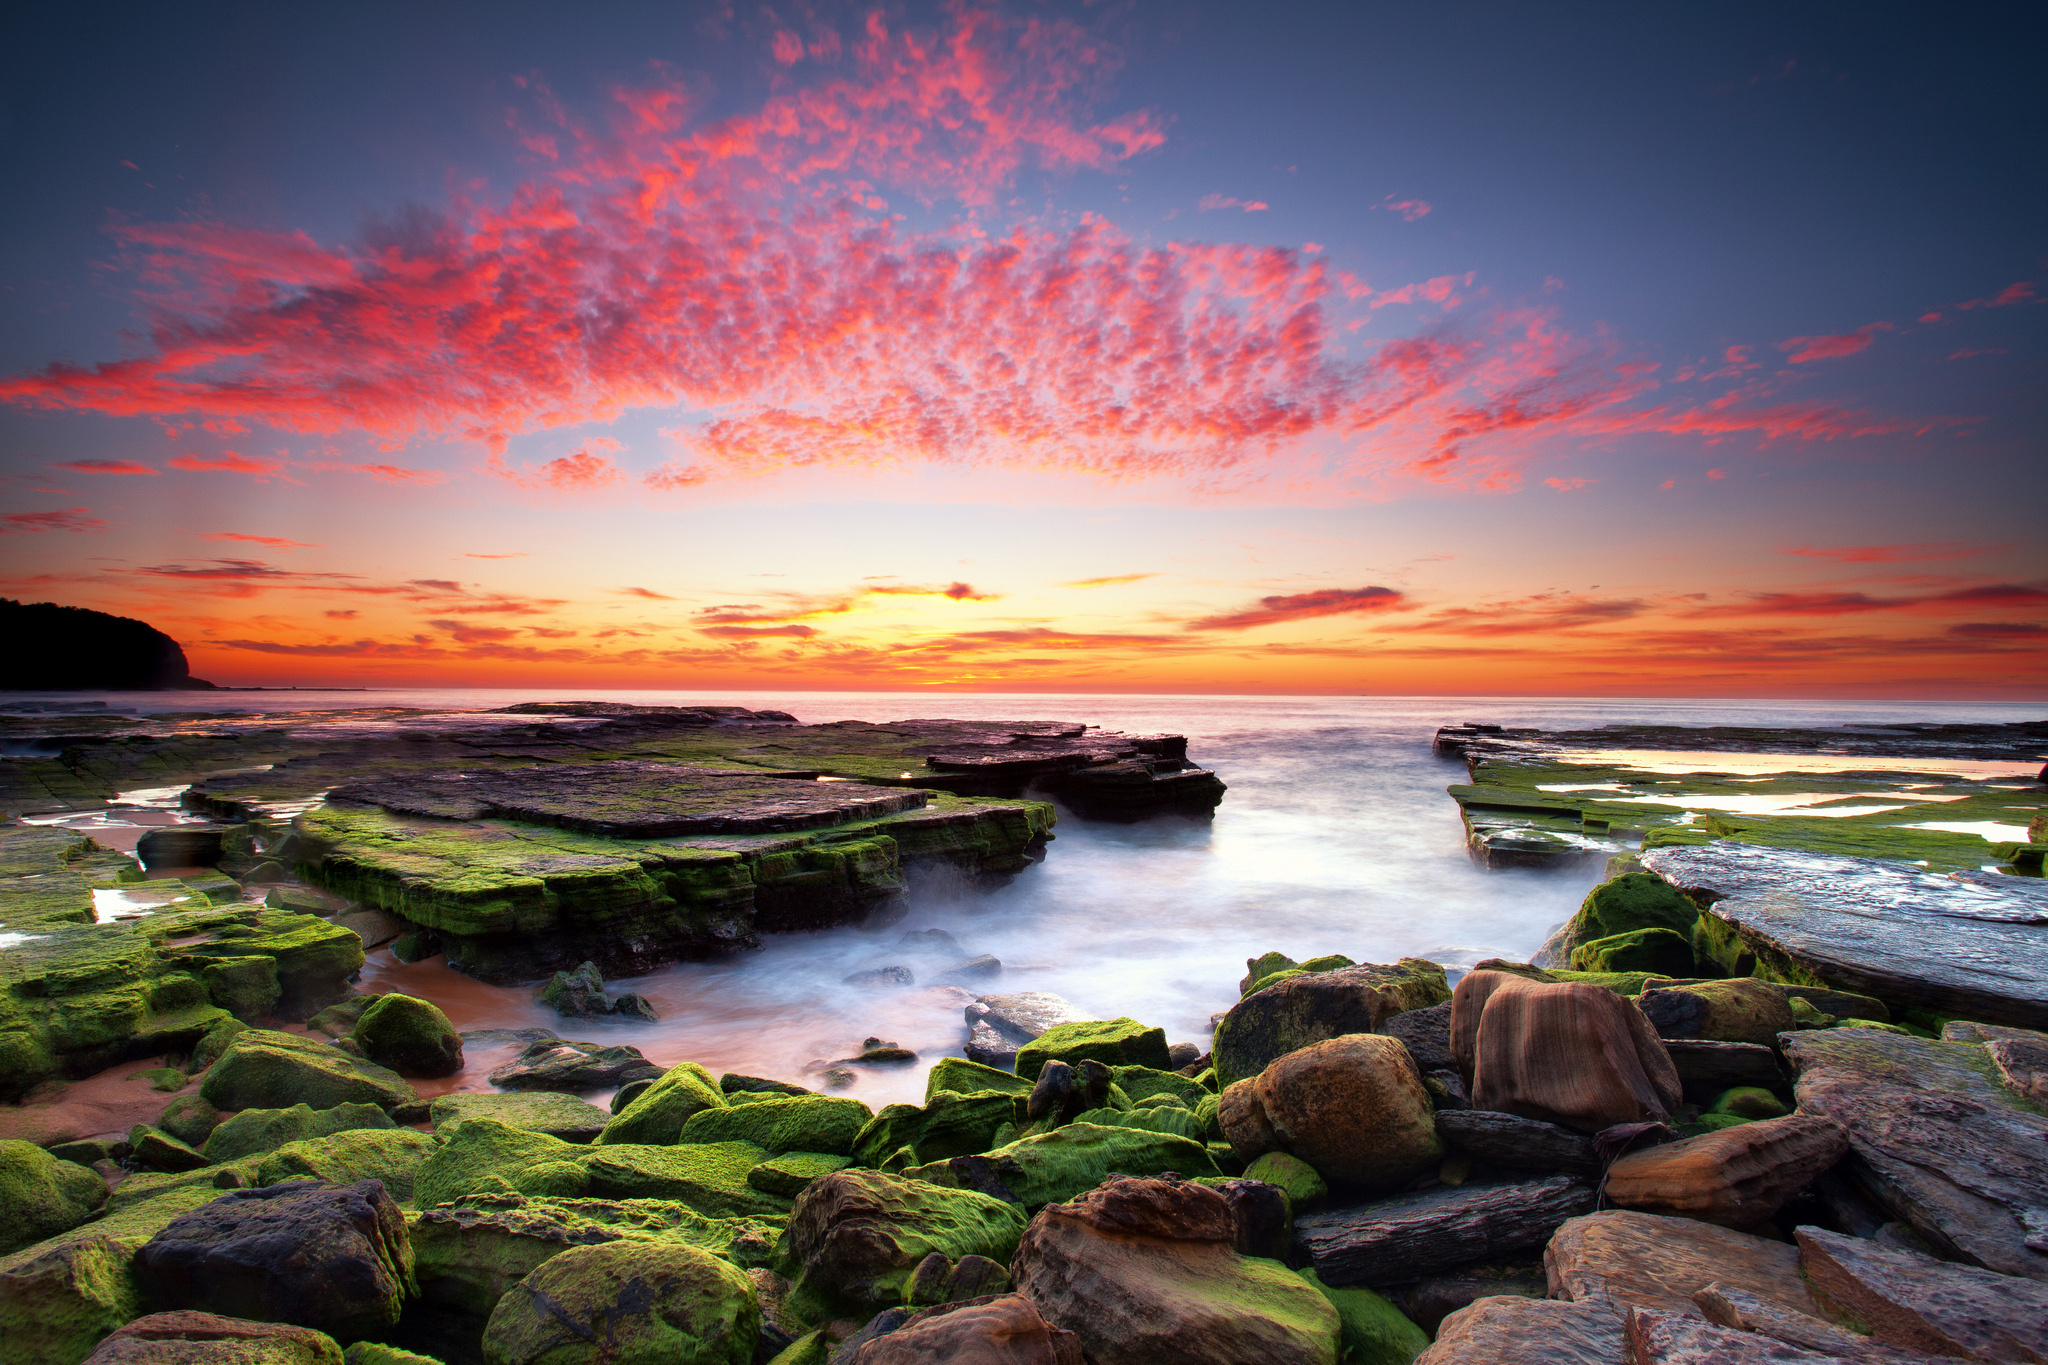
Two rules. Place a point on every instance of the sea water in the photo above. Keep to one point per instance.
(1336, 837)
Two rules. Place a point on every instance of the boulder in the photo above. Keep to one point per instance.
(1064, 1091)
(333, 1258)
(376, 1353)
(732, 1083)
(1738, 1177)
(709, 1177)
(412, 1037)
(469, 1252)
(193, 1338)
(557, 1064)
(1143, 1271)
(1630, 902)
(392, 1157)
(255, 1131)
(41, 1196)
(658, 1113)
(483, 1156)
(1113, 1042)
(577, 994)
(537, 1111)
(1565, 1053)
(1739, 1010)
(996, 1330)
(948, 1125)
(264, 1069)
(1921, 1304)
(1018, 1017)
(796, 1123)
(1747, 1102)
(1936, 1139)
(1353, 1107)
(789, 1173)
(856, 1236)
(155, 1150)
(1303, 1185)
(1141, 1084)
(1511, 1330)
(1289, 1015)
(1432, 1231)
(1623, 1259)
(1047, 1167)
(1426, 1033)
(1514, 1143)
(1660, 951)
(938, 1280)
(1261, 1219)
(627, 1301)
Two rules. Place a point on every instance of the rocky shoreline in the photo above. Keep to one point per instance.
(1762, 1100)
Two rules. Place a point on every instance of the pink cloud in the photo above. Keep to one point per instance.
(788, 48)
(1218, 201)
(1412, 210)
(1804, 349)
(274, 542)
(1569, 485)
(107, 467)
(1278, 610)
(230, 463)
(1894, 554)
(70, 519)
(2022, 292)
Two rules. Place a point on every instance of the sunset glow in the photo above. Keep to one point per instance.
(975, 348)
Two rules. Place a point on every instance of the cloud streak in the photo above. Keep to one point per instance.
(1280, 610)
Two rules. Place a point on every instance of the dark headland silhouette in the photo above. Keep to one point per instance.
(52, 648)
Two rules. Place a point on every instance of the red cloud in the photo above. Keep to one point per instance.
(1302, 607)
(1218, 201)
(274, 542)
(756, 632)
(107, 467)
(646, 592)
(2022, 292)
(739, 266)
(1529, 615)
(1569, 485)
(1831, 348)
(70, 519)
(1850, 603)
(1410, 209)
(1893, 554)
(231, 463)
(1111, 581)
(384, 473)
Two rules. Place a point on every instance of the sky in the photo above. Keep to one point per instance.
(1571, 349)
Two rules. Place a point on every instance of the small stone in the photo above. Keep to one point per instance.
(156, 1150)
(880, 1051)
(973, 971)
(577, 994)
(1182, 1055)
(883, 976)
(557, 1064)
(630, 1006)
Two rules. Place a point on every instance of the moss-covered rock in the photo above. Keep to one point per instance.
(1303, 1185)
(263, 1069)
(1748, 1102)
(467, 1253)
(1268, 1024)
(786, 1175)
(41, 1196)
(856, 1236)
(1632, 901)
(189, 1119)
(1374, 1332)
(963, 1077)
(794, 1123)
(537, 1111)
(1161, 1118)
(1142, 1083)
(658, 1113)
(256, 1131)
(1046, 1168)
(155, 1150)
(411, 1037)
(392, 1155)
(375, 1353)
(709, 1177)
(1113, 1042)
(949, 1125)
(60, 1296)
(645, 1301)
(483, 1156)
(1663, 951)
(1737, 1010)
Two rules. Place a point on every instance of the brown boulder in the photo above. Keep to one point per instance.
(998, 1330)
(1565, 1053)
(1921, 1304)
(1142, 1271)
(1676, 1339)
(1645, 1260)
(1727, 1307)
(1289, 1015)
(188, 1338)
(1352, 1107)
(1511, 1330)
(1738, 1010)
(1737, 1177)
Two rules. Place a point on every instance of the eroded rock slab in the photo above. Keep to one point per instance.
(1936, 1139)
(1925, 1305)
(1415, 1235)
(1511, 1330)
(1973, 944)
(1645, 1260)
(1517, 1144)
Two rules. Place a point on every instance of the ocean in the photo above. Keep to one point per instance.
(1336, 837)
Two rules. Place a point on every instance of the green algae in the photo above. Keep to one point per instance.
(658, 1113)
(963, 1077)
(41, 1196)
(948, 1125)
(252, 1132)
(391, 1155)
(1113, 1042)
(1048, 1168)
(793, 1123)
